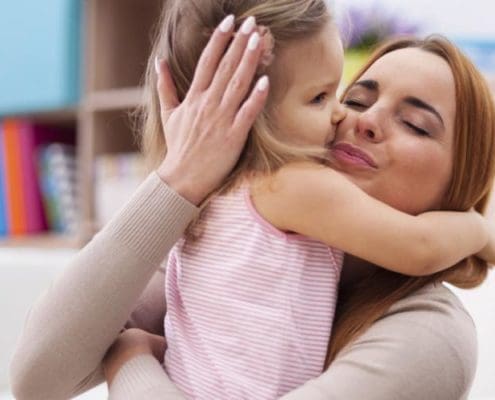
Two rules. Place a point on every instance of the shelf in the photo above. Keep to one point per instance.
(118, 39)
(42, 241)
(66, 115)
(114, 99)
(113, 132)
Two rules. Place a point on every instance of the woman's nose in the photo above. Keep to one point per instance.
(339, 112)
(368, 126)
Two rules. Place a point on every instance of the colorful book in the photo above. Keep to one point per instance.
(3, 210)
(14, 190)
(30, 137)
(58, 182)
(23, 204)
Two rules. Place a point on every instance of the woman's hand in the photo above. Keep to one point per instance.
(132, 343)
(205, 134)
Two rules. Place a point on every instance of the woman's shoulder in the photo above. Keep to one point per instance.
(435, 311)
(424, 347)
(437, 308)
(435, 332)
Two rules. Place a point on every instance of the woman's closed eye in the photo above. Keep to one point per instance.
(354, 103)
(416, 129)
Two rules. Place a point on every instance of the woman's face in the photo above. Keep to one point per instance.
(396, 142)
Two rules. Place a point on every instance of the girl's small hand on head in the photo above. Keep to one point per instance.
(132, 343)
(205, 134)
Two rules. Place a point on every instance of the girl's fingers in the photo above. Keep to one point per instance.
(211, 55)
(239, 85)
(247, 114)
(167, 91)
(232, 58)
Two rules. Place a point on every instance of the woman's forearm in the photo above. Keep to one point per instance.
(69, 328)
(143, 378)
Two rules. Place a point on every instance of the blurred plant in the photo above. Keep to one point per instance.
(363, 28)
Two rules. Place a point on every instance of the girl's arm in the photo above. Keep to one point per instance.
(318, 202)
(487, 253)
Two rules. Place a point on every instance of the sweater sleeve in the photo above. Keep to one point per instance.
(70, 327)
(143, 377)
(423, 348)
(149, 311)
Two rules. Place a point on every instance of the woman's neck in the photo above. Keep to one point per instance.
(355, 269)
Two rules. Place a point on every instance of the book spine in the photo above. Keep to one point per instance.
(34, 208)
(3, 210)
(14, 183)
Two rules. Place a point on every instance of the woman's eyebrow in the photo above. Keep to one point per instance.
(368, 84)
(414, 101)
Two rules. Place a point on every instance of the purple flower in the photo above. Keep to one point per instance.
(365, 27)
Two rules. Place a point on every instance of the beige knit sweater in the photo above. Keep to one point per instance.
(423, 348)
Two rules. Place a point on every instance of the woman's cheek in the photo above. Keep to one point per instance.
(425, 170)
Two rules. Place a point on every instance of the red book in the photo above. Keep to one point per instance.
(14, 190)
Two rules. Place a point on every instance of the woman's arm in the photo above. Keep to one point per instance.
(133, 368)
(318, 202)
(423, 348)
(71, 326)
(143, 377)
(409, 354)
(149, 311)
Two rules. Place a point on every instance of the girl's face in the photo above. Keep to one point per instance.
(305, 79)
(396, 142)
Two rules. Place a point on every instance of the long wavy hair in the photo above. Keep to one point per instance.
(184, 29)
(362, 303)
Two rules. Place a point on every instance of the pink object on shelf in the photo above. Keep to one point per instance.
(30, 138)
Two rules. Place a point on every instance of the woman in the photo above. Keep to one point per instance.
(393, 337)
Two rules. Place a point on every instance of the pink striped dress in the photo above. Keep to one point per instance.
(249, 308)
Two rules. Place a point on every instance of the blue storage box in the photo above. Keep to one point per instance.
(39, 55)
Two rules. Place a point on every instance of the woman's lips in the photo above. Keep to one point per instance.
(349, 154)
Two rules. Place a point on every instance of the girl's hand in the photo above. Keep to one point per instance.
(205, 134)
(132, 343)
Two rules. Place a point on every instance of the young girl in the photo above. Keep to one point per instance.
(251, 292)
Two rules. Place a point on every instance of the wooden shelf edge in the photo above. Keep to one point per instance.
(50, 116)
(43, 241)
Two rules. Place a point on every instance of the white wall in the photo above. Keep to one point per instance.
(454, 18)
(23, 277)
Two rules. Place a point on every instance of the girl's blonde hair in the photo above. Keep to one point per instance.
(184, 30)
(361, 304)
